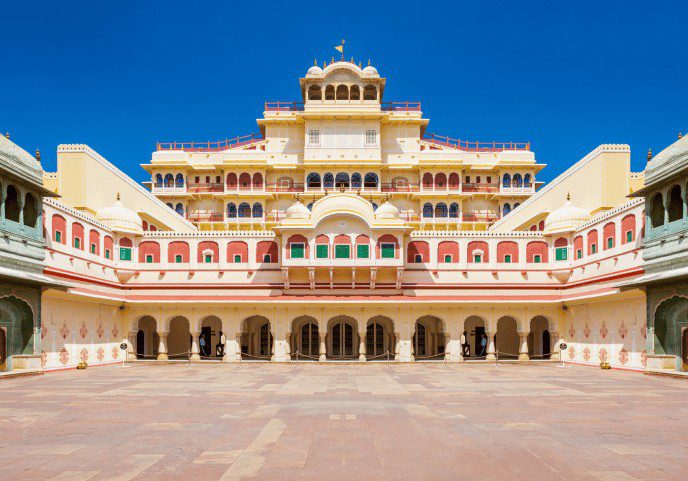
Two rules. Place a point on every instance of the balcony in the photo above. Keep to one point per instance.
(403, 106)
(480, 217)
(206, 187)
(474, 146)
(284, 106)
(216, 146)
(482, 187)
(284, 187)
(521, 189)
(400, 188)
(205, 217)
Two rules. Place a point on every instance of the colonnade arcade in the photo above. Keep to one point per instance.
(344, 337)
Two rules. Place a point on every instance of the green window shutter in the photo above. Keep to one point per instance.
(593, 248)
(149, 259)
(237, 258)
(107, 253)
(507, 258)
(321, 251)
(297, 251)
(387, 251)
(178, 259)
(610, 243)
(77, 242)
(537, 259)
(448, 258)
(93, 248)
(579, 254)
(125, 253)
(561, 254)
(478, 258)
(58, 236)
(208, 258)
(629, 236)
(362, 251)
(267, 258)
(342, 251)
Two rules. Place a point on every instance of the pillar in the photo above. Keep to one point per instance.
(555, 349)
(131, 351)
(162, 346)
(362, 346)
(323, 347)
(491, 345)
(523, 346)
(195, 356)
(452, 349)
(237, 346)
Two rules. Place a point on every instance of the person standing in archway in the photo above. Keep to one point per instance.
(483, 346)
(220, 348)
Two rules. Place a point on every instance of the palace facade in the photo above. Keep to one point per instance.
(343, 230)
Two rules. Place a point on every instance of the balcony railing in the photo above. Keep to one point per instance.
(206, 187)
(403, 106)
(480, 217)
(284, 187)
(472, 187)
(475, 146)
(205, 217)
(400, 188)
(216, 146)
(284, 106)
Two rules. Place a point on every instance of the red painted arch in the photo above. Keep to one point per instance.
(448, 248)
(505, 248)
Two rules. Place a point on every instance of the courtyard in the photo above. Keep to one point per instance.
(372, 422)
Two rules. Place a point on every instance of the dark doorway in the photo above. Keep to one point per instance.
(140, 344)
(479, 331)
(3, 350)
(546, 345)
(206, 335)
(684, 349)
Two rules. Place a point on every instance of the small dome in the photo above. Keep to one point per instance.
(566, 218)
(298, 211)
(314, 70)
(386, 211)
(19, 161)
(120, 219)
(370, 70)
(667, 162)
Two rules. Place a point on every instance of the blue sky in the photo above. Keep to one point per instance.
(566, 76)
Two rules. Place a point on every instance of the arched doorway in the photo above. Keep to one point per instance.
(473, 331)
(429, 339)
(256, 338)
(305, 337)
(140, 344)
(16, 321)
(380, 337)
(684, 349)
(179, 338)
(670, 321)
(3, 349)
(343, 338)
(211, 327)
(539, 344)
(507, 340)
(147, 339)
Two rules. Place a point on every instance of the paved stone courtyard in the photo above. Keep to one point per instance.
(370, 422)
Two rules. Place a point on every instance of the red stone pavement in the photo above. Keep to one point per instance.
(343, 422)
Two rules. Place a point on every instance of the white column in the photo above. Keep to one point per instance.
(362, 346)
(491, 345)
(162, 346)
(555, 341)
(195, 356)
(323, 347)
(523, 349)
(131, 350)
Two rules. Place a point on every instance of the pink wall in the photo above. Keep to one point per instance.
(267, 247)
(627, 224)
(237, 248)
(505, 248)
(448, 248)
(536, 248)
(59, 224)
(149, 248)
(178, 248)
(478, 245)
(418, 247)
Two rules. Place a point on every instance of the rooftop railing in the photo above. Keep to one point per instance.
(206, 187)
(402, 106)
(283, 106)
(388, 187)
(284, 187)
(473, 187)
(215, 146)
(475, 146)
(480, 217)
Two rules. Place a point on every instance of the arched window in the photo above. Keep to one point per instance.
(179, 209)
(30, 210)
(342, 92)
(356, 181)
(526, 180)
(179, 180)
(657, 210)
(427, 210)
(169, 180)
(369, 92)
(506, 180)
(169, 204)
(518, 180)
(328, 180)
(313, 180)
(244, 210)
(355, 93)
(232, 181)
(231, 210)
(374, 206)
(516, 204)
(370, 180)
(257, 180)
(675, 204)
(329, 92)
(341, 180)
(310, 206)
(427, 180)
(454, 180)
(454, 210)
(441, 210)
(158, 180)
(440, 181)
(257, 210)
(244, 181)
(506, 208)
(314, 92)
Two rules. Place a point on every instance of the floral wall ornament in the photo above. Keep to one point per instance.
(100, 331)
(115, 352)
(572, 331)
(83, 330)
(643, 358)
(586, 353)
(64, 330)
(623, 330)
(623, 356)
(101, 354)
(586, 329)
(115, 331)
(44, 358)
(643, 331)
(572, 352)
(64, 356)
(603, 355)
(603, 330)
(44, 332)
(84, 355)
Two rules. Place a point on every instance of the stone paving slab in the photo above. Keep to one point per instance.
(346, 422)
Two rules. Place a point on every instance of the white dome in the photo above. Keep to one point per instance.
(314, 70)
(566, 218)
(370, 70)
(298, 211)
(120, 219)
(386, 211)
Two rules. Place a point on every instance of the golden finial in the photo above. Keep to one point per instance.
(315, 62)
(360, 64)
(368, 62)
(332, 60)
(7, 135)
(298, 197)
(352, 60)
(680, 135)
(358, 192)
(341, 188)
(387, 197)
(324, 64)
(38, 155)
(118, 196)
(649, 154)
(568, 196)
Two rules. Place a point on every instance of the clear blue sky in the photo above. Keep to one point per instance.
(566, 76)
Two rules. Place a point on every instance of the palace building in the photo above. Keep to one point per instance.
(344, 230)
